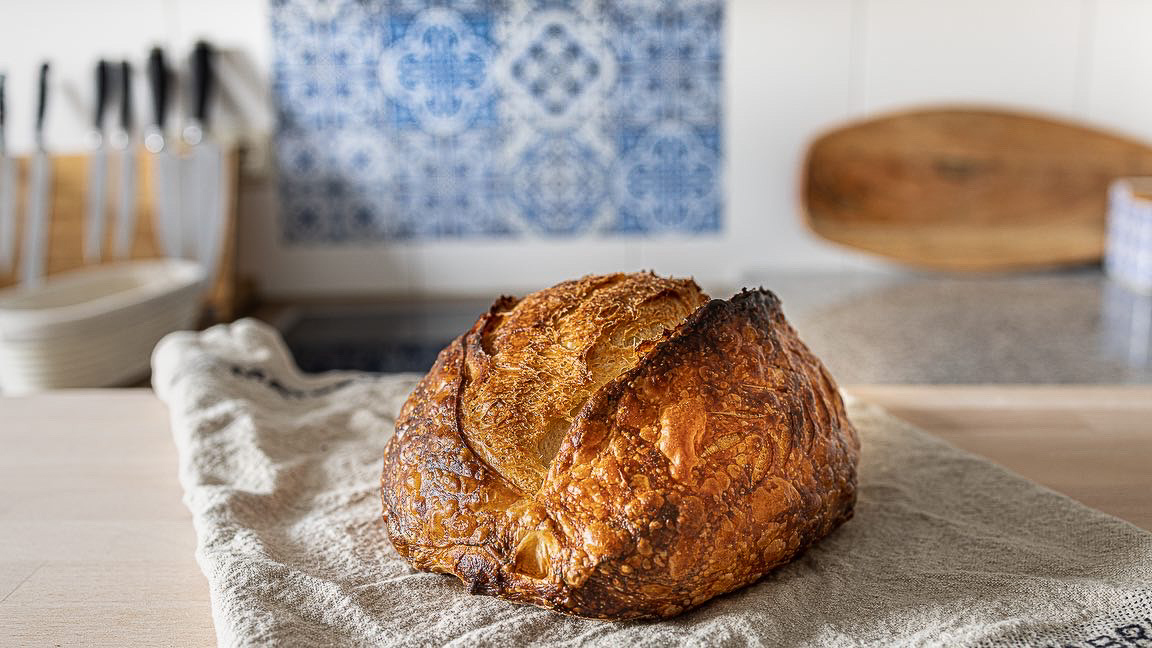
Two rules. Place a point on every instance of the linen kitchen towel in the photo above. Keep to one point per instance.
(281, 473)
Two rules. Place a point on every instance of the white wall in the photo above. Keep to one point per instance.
(74, 34)
(793, 68)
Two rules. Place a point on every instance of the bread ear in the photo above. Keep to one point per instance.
(532, 364)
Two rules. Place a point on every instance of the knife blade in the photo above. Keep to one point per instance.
(126, 206)
(97, 170)
(204, 206)
(7, 193)
(165, 171)
(40, 195)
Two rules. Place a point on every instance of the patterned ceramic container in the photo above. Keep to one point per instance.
(1128, 259)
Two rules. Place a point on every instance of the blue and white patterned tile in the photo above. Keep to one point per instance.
(670, 62)
(419, 119)
(560, 187)
(324, 68)
(556, 68)
(306, 212)
(449, 190)
(436, 72)
(667, 180)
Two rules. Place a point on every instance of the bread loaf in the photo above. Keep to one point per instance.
(619, 447)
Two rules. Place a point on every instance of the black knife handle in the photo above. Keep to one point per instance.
(42, 98)
(202, 81)
(158, 84)
(101, 94)
(126, 96)
(3, 77)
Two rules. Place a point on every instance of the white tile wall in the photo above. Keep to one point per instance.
(1120, 66)
(794, 68)
(228, 23)
(73, 35)
(790, 70)
(1023, 53)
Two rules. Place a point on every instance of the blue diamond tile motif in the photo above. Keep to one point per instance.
(456, 119)
(555, 69)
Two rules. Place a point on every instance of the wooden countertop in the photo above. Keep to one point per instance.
(96, 547)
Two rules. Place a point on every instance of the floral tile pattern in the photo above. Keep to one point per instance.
(431, 119)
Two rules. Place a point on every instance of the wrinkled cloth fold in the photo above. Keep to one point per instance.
(281, 473)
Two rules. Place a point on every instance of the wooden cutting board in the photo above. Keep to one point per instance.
(968, 189)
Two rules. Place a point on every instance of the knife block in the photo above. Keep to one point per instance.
(65, 233)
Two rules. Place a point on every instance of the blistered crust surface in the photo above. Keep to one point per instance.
(723, 452)
(534, 363)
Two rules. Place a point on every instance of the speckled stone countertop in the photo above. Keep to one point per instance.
(1046, 328)
(1058, 327)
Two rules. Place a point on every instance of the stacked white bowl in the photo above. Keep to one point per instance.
(94, 327)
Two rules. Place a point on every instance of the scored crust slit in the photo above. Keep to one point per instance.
(619, 447)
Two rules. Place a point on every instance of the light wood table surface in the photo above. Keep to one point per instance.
(96, 547)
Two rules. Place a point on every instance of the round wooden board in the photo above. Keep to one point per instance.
(968, 189)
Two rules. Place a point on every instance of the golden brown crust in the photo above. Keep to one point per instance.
(534, 363)
(715, 452)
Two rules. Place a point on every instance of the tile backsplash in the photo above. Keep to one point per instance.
(786, 70)
(459, 119)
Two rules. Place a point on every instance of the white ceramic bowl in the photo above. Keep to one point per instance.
(94, 327)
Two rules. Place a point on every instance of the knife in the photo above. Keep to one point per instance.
(122, 141)
(204, 206)
(165, 178)
(7, 194)
(97, 170)
(40, 195)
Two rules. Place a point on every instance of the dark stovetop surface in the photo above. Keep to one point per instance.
(389, 337)
(1059, 327)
